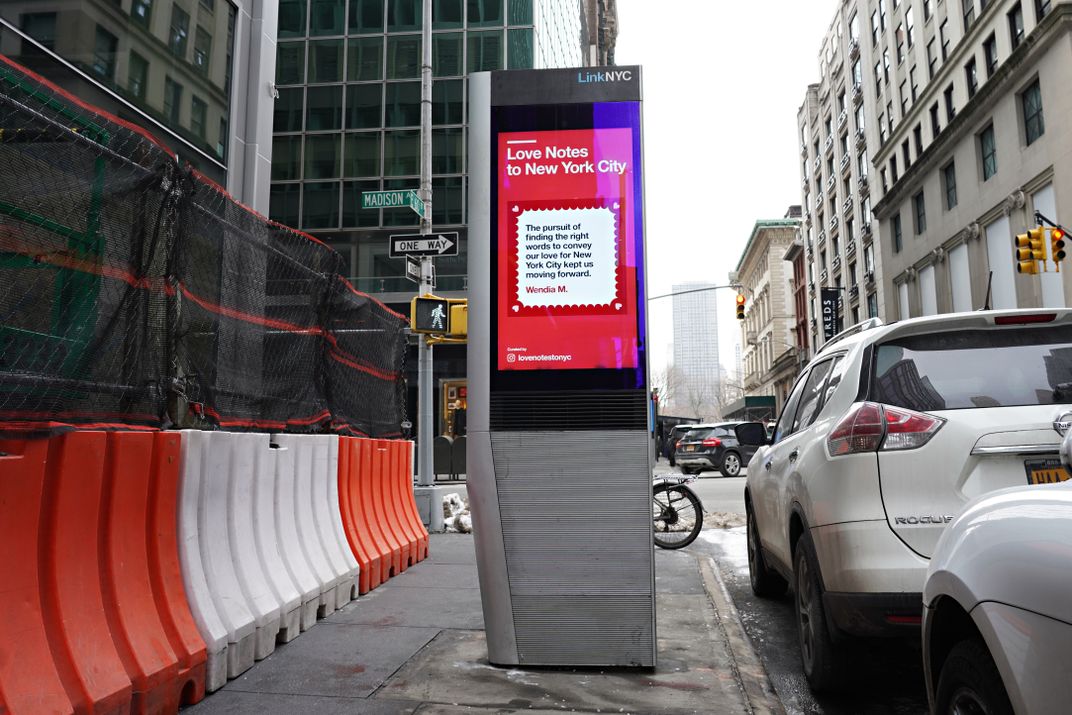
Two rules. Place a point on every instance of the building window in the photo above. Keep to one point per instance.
(366, 16)
(326, 17)
(917, 137)
(198, 117)
(988, 151)
(895, 231)
(104, 48)
(882, 14)
(485, 50)
(990, 55)
(857, 74)
(142, 12)
(872, 305)
(904, 98)
(943, 37)
(912, 83)
(1016, 26)
(202, 50)
(971, 76)
(949, 183)
(950, 109)
(137, 75)
(364, 57)
(926, 10)
(907, 154)
(920, 207)
(874, 27)
(893, 169)
(1031, 102)
(1041, 8)
(899, 39)
(886, 66)
(172, 100)
(936, 127)
(969, 15)
(932, 58)
(910, 27)
(178, 35)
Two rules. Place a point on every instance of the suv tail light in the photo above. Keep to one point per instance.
(871, 427)
(712, 442)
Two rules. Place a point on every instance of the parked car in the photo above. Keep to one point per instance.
(673, 437)
(997, 622)
(715, 447)
(886, 435)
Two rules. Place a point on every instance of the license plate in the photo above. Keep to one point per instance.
(690, 448)
(1045, 471)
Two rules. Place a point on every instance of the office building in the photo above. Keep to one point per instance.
(938, 130)
(696, 385)
(195, 73)
(770, 358)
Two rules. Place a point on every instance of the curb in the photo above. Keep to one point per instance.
(750, 672)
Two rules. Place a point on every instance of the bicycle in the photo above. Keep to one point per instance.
(677, 514)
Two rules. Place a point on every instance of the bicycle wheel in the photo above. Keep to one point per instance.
(677, 516)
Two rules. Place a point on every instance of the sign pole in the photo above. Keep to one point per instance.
(425, 436)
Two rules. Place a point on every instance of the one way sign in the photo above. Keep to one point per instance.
(415, 244)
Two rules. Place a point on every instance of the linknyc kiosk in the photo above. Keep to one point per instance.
(559, 447)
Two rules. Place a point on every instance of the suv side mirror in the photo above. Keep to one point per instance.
(752, 434)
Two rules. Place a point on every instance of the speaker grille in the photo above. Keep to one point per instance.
(569, 411)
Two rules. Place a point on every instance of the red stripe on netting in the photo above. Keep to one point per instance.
(219, 189)
(380, 303)
(42, 425)
(92, 109)
(63, 259)
(265, 424)
(250, 317)
(349, 362)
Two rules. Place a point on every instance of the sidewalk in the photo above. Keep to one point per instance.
(416, 645)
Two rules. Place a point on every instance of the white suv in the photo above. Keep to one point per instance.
(886, 434)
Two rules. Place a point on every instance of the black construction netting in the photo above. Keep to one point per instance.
(135, 293)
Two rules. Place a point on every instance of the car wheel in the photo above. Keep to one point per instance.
(765, 582)
(970, 682)
(731, 464)
(822, 659)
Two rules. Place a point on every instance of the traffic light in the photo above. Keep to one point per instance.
(1030, 249)
(740, 306)
(459, 318)
(1057, 247)
(429, 314)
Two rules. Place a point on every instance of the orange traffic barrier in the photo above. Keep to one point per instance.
(99, 617)
(352, 518)
(379, 514)
(408, 506)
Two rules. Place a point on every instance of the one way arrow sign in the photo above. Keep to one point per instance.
(415, 244)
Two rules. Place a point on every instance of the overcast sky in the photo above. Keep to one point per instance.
(722, 85)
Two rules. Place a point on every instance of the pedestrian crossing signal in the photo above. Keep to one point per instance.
(740, 306)
(429, 314)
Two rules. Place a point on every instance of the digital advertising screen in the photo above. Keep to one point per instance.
(568, 241)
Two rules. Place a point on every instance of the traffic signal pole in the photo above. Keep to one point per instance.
(430, 506)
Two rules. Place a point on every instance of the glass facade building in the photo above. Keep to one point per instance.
(347, 118)
(163, 64)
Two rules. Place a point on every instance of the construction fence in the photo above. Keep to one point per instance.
(137, 294)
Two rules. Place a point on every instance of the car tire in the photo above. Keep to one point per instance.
(970, 682)
(766, 583)
(823, 660)
(731, 464)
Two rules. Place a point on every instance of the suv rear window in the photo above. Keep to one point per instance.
(975, 368)
(699, 434)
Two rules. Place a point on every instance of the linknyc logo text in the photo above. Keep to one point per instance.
(615, 76)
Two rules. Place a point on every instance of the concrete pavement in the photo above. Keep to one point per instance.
(416, 645)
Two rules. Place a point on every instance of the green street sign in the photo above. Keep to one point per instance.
(393, 199)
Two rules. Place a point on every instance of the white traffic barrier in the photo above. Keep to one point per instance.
(298, 568)
(319, 520)
(246, 468)
(212, 587)
(269, 540)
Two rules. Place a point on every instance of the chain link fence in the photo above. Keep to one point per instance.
(136, 293)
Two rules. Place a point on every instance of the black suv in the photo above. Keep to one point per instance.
(714, 447)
